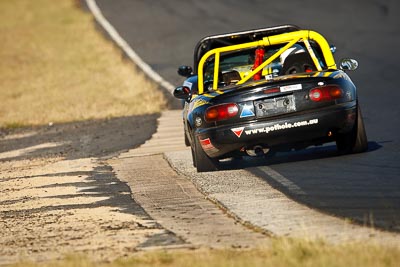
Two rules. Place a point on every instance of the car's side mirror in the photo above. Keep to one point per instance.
(182, 92)
(348, 64)
(185, 71)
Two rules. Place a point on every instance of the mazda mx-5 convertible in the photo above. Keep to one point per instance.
(266, 90)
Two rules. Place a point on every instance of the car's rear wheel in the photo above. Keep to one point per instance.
(193, 156)
(356, 140)
(201, 161)
(187, 142)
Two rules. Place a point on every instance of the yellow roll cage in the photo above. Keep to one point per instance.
(289, 38)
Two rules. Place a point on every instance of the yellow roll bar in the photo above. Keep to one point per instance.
(289, 38)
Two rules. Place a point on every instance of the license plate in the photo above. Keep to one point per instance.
(275, 106)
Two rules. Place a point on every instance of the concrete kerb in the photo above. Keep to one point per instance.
(221, 205)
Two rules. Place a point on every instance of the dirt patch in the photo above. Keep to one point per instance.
(58, 194)
(94, 138)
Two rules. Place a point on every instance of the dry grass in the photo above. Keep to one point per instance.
(283, 253)
(55, 67)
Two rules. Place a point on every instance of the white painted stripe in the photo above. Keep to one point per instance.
(281, 179)
(125, 46)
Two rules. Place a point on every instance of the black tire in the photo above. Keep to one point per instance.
(356, 140)
(187, 142)
(202, 162)
(193, 157)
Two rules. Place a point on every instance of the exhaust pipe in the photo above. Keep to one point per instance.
(257, 151)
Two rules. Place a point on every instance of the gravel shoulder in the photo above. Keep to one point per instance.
(59, 195)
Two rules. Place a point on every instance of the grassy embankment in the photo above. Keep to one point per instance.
(55, 67)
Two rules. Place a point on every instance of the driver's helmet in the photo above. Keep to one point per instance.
(295, 49)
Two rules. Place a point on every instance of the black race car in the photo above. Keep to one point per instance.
(272, 89)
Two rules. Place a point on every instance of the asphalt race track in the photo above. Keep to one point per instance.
(362, 186)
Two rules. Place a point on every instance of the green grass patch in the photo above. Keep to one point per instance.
(56, 67)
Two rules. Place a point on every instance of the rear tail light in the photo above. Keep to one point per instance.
(221, 112)
(326, 93)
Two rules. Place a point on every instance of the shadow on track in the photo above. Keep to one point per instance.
(74, 140)
(345, 190)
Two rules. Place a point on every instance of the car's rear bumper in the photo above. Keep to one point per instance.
(309, 128)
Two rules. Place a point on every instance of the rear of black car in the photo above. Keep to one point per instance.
(290, 112)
